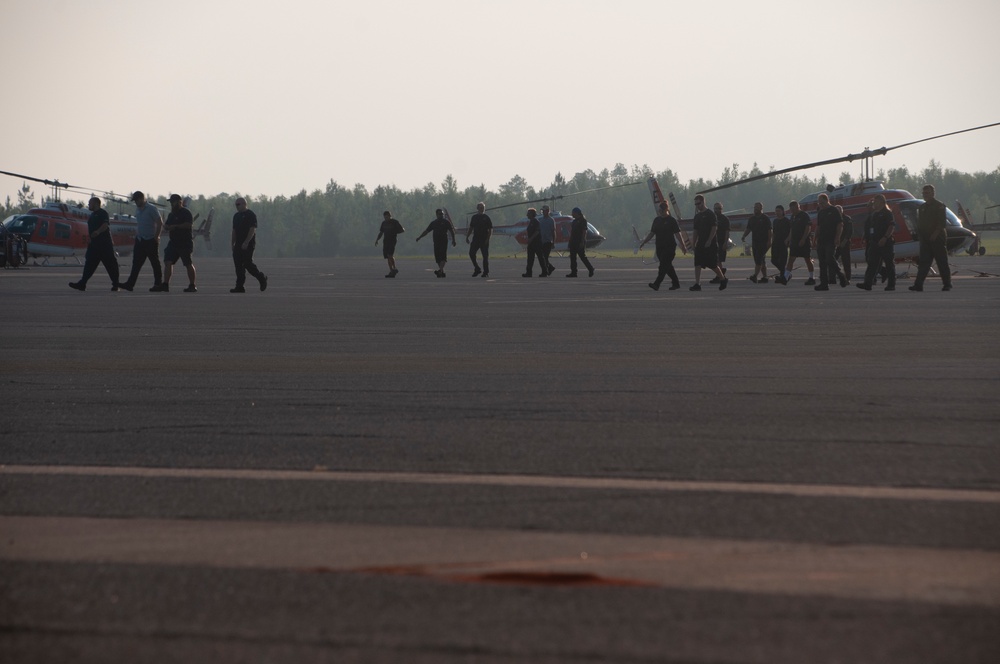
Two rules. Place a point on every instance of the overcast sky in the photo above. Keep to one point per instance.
(267, 97)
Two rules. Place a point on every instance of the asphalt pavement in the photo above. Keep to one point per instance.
(352, 468)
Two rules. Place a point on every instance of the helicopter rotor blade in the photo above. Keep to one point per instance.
(51, 183)
(866, 154)
(561, 196)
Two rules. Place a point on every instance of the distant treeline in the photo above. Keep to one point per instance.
(342, 221)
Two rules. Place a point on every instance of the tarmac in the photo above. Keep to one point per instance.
(352, 468)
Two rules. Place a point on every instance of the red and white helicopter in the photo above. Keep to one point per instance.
(58, 230)
(563, 222)
(855, 198)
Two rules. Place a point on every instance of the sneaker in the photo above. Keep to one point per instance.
(781, 280)
(263, 282)
(437, 273)
(809, 282)
(763, 280)
(485, 275)
(863, 286)
(723, 284)
(571, 275)
(126, 287)
(191, 289)
(696, 287)
(654, 286)
(715, 280)
(890, 288)
(752, 278)
(114, 288)
(526, 274)
(164, 288)
(390, 275)
(238, 289)
(543, 274)
(918, 289)
(552, 268)
(843, 282)
(591, 272)
(477, 272)
(947, 287)
(821, 287)
(76, 285)
(442, 275)
(674, 287)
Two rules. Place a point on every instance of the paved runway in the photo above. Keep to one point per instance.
(353, 468)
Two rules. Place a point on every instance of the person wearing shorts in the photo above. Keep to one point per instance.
(180, 226)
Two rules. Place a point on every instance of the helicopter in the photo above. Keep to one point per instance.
(854, 198)
(563, 222)
(58, 230)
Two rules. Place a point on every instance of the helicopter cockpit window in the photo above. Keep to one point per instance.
(43, 229)
(63, 231)
(21, 224)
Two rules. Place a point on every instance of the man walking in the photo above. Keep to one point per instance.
(149, 226)
(547, 228)
(706, 251)
(101, 248)
(931, 222)
(441, 228)
(829, 226)
(798, 243)
(180, 225)
(879, 244)
(759, 228)
(667, 232)
(481, 229)
(244, 241)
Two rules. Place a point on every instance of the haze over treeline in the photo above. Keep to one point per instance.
(343, 221)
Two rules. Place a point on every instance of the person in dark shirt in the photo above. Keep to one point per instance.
(706, 250)
(101, 248)
(667, 232)
(781, 231)
(243, 240)
(759, 227)
(798, 242)
(578, 244)
(180, 225)
(844, 248)
(389, 229)
(829, 226)
(723, 227)
(441, 228)
(481, 229)
(933, 238)
(534, 241)
(879, 244)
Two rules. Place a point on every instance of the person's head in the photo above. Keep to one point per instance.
(532, 213)
(823, 200)
(387, 215)
(241, 204)
(545, 210)
(879, 202)
(577, 213)
(779, 210)
(440, 213)
(139, 199)
(94, 204)
(175, 201)
(793, 206)
(699, 202)
(758, 207)
(717, 207)
(664, 208)
(928, 191)
(481, 207)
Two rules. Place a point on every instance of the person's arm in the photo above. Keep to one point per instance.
(379, 237)
(251, 235)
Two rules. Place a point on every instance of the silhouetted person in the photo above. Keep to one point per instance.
(244, 241)
(781, 230)
(390, 229)
(148, 228)
(879, 244)
(481, 229)
(706, 250)
(761, 236)
(931, 223)
(100, 247)
(578, 244)
(667, 232)
(180, 225)
(441, 228)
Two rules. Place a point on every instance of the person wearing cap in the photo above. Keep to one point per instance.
(244, 241)
(578, 243)
(667, 232)
(706, 251)
(547, 229)
(441, 228)
(534, 245)
(481, 229)
(148, 228)
(100, 247)
(180, 225)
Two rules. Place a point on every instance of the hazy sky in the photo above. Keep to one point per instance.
(210, 96)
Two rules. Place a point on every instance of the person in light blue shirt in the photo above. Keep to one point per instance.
(547, 229)
(149, 225)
